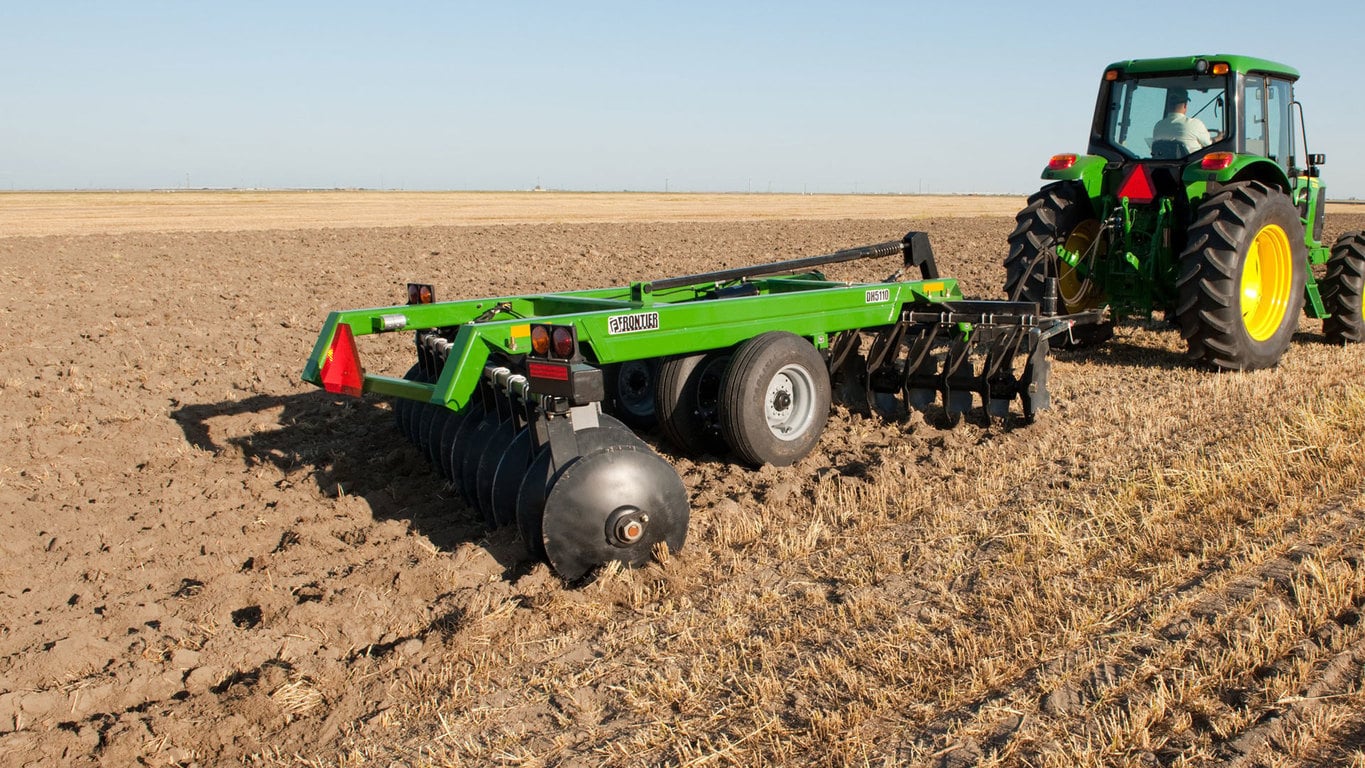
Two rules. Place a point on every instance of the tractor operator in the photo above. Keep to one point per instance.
(1189, 131)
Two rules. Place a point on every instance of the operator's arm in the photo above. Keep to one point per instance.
(1199, 132)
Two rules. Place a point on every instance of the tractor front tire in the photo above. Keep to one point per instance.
(1242, 275)
(1058, 215)
(1342, 287)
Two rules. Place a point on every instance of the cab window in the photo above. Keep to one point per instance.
(1266, 124)
(1136, 105)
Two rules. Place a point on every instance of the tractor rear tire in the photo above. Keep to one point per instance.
(686, 399)
(774, 400)
(1242, 274)
(1342, 288)
(1057, 215)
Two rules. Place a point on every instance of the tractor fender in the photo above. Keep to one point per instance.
(1087, 169)
(1201, 182)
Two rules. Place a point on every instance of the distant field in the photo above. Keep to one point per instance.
(80, 213)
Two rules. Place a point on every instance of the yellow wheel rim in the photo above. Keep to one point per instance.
(1267, 279)
(1078, 293)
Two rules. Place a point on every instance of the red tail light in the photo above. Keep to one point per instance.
(341, 371)
(1138, 186)
(1061, 162)
(1216, 161)
(562, 341)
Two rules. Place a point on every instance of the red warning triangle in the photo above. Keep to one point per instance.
(341, 371)
(1138, 186)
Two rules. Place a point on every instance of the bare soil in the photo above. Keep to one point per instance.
(207, 562)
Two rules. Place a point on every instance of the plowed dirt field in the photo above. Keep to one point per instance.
(204, 561)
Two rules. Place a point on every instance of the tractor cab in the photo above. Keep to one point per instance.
(1180, 110)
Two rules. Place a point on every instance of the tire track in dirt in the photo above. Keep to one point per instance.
(1167, 630)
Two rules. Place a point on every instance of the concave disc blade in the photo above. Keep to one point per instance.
(422, 426)
(449, 429)
(435, 428)
(531, 503)
(535, 482)
(475, 442)
(402, 407)
(613, 504)
(486, 467)
(460, 443)
(507, 476)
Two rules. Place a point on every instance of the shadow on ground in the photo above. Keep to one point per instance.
(348, 446)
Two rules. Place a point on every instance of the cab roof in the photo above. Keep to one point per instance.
(1239, 64)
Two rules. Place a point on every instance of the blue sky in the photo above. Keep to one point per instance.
(883, 97)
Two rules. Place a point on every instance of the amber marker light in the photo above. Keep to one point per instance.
(420, 293)
(540, 340)
(1216, 161)
(1220, 68)
(1061, 162)
(1111, 75)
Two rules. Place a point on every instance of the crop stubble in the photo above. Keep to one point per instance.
(206, 560)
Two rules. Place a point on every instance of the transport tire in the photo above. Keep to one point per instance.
(686, 401)
(1242, 274)
(1342, 288)
(1057, 216)
(774, 399)
(630, 392)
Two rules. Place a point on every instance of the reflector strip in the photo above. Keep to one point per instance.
(548, 371)
(341, 371)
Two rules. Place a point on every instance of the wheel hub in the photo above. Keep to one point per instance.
(782, 401)
(626, 526)
(790, 402)
(1083, 246)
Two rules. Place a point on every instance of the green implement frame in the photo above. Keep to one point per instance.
(660, 318)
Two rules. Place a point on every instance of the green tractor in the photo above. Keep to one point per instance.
(1197, 198)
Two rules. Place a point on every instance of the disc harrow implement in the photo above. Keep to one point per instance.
(525, 404)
